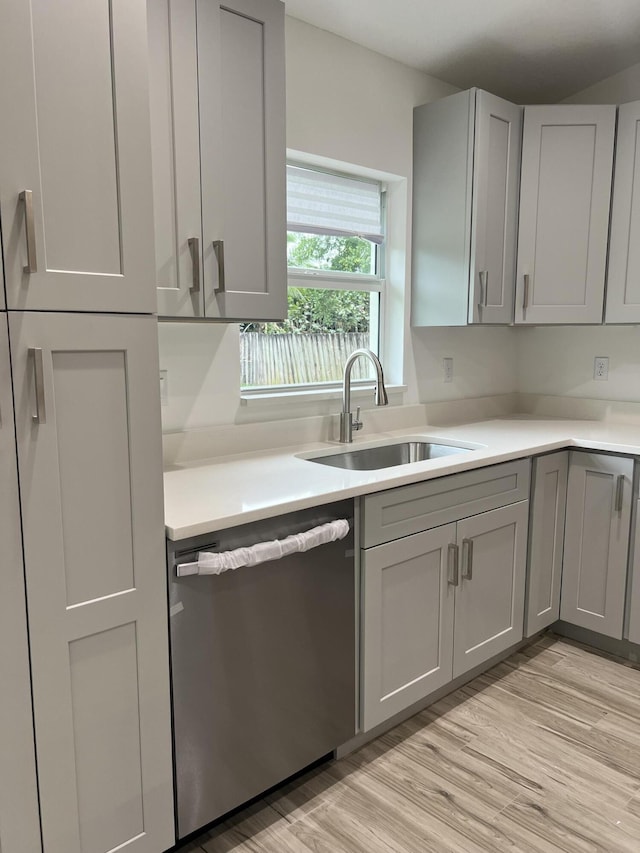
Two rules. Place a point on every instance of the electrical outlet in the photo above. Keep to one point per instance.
(601, 368)
(164, 388)
(447, 366)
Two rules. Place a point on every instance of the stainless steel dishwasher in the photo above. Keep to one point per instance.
(262, 664)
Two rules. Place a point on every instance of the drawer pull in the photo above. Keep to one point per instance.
(467, 559)
(194, 248)
(525, 295)
(37, 360)
(218, 248)
(619, 492)
(484, 276)
(453, 577)
(26, 197)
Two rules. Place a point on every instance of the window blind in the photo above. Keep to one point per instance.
(320, 203)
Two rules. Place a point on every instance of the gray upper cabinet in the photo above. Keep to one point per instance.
(175, 149)
(546, 540)
(218, 140)
(75, 178)
(90, 466)
(596, 545)
(623, 276)
(465, 209)
(565, 190)
(19, 819)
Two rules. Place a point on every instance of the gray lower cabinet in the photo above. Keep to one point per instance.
(546, 540)
(597, 530)
(633, 632)
(489, 607)
(407, 623)
(87, 415)
(19, 819)
(438, 603)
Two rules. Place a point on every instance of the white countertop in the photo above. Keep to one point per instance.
(209, 495)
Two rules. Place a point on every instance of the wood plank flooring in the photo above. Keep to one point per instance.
(541, 753)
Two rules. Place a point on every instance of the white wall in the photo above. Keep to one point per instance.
(344, 103)
(617, 89)
(559, 360)
(484, 361)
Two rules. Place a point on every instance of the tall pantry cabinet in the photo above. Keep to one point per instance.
(77, 232)
(19, 826)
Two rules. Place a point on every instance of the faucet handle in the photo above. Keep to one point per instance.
(356, 423)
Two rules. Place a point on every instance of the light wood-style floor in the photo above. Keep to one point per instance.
(542, 753)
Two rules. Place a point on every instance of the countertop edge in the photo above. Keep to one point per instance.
(514, 433)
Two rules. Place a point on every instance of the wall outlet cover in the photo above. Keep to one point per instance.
(601, 368)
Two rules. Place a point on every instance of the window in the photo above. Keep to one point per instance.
(335, 258)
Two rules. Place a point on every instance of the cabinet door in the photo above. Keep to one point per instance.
(3, 304)
(596, 545)
(407, 622)
(634, 604)
(546, 541)
(442, 194)
(565, 189)
(19, 819)
(242, 141)
(175, 150)
(489, 602)
(74, 137)
(623, 276)
(496, 178)
(90, 467)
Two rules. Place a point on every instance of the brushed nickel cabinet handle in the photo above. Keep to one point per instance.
(619, 492)
(467, 559)
(26, 197)
(194, 248)
(36, 358)
(525, 296)
(484, 278)
(218, 248)
(453, 577)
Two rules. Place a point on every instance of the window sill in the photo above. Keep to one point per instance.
(302, 395)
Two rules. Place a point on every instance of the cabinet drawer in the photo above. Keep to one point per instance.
(410, 509)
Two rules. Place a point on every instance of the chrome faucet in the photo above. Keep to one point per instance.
(347, 422)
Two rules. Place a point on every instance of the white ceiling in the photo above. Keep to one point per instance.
(529, 51)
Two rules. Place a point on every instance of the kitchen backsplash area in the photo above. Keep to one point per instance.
(202, 361)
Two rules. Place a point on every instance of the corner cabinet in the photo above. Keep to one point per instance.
(440, 601)
(19, 817)
(75, 177)
(623, 277)
(87, 416)
(546, 540)
(594, 572)
(565, 193)
(465, 209)
(218, 152)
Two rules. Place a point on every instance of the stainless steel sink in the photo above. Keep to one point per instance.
(388, 455)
